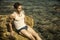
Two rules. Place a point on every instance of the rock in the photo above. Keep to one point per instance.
(4, 28)
(29, 21)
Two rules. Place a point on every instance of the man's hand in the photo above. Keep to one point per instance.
(12, 33)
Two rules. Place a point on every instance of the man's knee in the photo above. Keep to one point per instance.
(31, 37)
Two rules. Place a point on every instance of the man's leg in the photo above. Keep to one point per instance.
(34, 33)
(27, 34)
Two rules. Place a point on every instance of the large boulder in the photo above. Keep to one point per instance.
(5, 34)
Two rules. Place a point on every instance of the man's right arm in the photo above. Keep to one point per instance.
(10, 24)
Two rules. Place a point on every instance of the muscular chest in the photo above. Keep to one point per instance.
(18, 17)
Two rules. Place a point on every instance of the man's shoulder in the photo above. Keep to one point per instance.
(13, 13)
(22, 12)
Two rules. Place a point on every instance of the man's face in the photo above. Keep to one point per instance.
(19, 8)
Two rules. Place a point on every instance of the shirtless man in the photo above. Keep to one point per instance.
(18, 18)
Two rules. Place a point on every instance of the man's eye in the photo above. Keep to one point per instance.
(19, 8)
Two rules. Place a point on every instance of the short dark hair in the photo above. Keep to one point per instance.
(16, 5)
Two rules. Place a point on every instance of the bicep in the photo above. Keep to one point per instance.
(10, 18)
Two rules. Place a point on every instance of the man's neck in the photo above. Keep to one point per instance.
(18, 12)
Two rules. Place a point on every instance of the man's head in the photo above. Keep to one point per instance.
(18, 6)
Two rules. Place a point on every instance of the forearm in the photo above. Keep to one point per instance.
(10, 27)
(11, 30)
